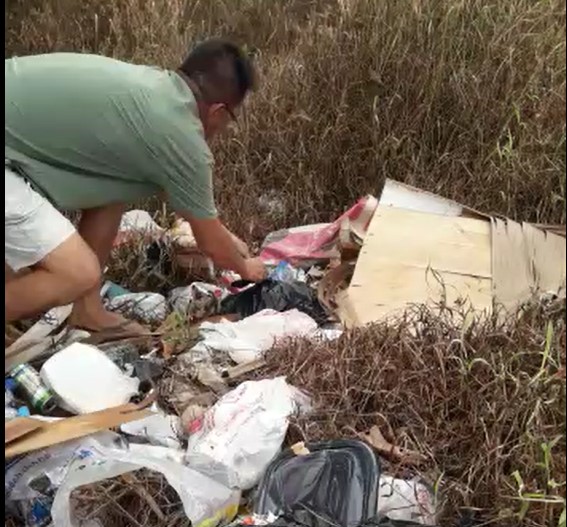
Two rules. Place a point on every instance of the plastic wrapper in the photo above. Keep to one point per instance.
(235, 441)
(335, 484)
(279, 296)
(149, 307)
(408, 500)
(198, 300)
(136, 223)
(284, 272)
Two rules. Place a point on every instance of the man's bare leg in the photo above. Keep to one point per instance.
(98, 228)
(64, 274)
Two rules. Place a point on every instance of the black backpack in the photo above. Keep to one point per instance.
(335, 485)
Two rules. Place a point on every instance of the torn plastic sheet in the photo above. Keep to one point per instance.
(206, 502)
(338, 483)
(197, 300)
(147, 306)
(310, 244)
(31, 480)
(158, 429)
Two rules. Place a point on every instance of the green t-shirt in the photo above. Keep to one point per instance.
(89, 131)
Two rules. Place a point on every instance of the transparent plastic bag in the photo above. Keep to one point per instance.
(206, 502)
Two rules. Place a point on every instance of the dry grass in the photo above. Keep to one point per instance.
(139, 499)
(465, 98)
(485, 405)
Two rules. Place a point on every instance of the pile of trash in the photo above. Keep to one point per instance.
(86, 408)
(82, 408)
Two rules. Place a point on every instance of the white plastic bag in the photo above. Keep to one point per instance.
(135, 223)
(86, 380)
(235, 441)
(408, 500)
(206, 502)
(247, 339)
(148, 307)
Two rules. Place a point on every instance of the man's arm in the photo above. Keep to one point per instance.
(216, 241)
(240, 245)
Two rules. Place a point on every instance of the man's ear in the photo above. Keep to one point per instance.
(215, 110)
(216, 107)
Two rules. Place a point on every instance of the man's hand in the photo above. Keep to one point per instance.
(254, 270)
(219, 244)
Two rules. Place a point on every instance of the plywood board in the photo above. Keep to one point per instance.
(426, 240)
(422, 248)
(412, 257)
(54, 433)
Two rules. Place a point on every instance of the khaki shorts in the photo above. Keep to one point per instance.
(34, 228)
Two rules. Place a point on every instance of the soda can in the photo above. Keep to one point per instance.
(29, 381)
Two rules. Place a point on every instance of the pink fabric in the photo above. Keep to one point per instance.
(316, 242)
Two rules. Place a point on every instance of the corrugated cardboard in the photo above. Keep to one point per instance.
(25, 435)
(423, 249)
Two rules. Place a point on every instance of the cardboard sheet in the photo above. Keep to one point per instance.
(526, 261)
(424, 249)
(414, 257)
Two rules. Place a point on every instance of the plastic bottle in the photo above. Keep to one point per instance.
(285, 272)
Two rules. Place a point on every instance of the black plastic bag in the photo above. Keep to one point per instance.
(279, 296)
(335, 485)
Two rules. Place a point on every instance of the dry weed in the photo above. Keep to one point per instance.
(484, 404)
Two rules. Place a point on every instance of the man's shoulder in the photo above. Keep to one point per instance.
(176, 116)
(62, 59)
(86, 74)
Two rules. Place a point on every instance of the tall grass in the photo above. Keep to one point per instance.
(461, 97)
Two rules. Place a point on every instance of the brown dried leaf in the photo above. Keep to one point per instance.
(376, 439)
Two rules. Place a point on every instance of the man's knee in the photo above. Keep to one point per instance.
(75, 266)
(85, 273)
